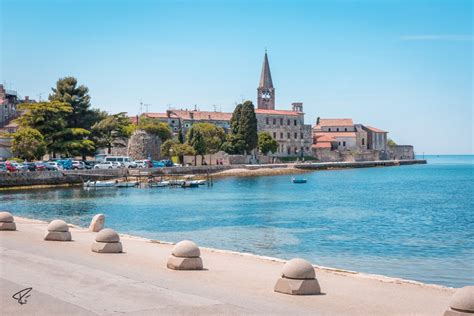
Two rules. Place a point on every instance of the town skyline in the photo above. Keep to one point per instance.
(412, 87)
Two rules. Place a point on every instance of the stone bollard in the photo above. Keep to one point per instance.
(58, 231)
(6, 221)
(97, 223)
(462, 302)
(107, 241)
(298, 278)
(185, 256)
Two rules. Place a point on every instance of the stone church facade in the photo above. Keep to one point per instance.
(287, 127)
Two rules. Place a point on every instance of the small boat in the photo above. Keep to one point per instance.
(189, 184)
(160, 184)
(99, 184)
(128, 184)
(177, 182)
(200, 182)
(295, 180)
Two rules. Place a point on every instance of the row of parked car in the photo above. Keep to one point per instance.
(69, 164)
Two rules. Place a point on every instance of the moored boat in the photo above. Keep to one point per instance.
(189, 184)
(128, 184)
(159, 184)
(99, 184)
(300, 180)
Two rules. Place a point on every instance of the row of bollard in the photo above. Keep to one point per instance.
(298, 276)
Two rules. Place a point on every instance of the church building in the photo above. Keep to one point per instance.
(287, 127)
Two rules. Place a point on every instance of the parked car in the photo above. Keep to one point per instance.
(144, 163)
(78, 165)
(40, 166)
(107, 165)
(167, 163)
(28, 166)
(3, 167)
(53, 165)
(66, 164)
(158, 164)
(90, 164)
(12, 166)
(123, 160)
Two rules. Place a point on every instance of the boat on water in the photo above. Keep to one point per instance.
(190, 184)
(300, 180)
(200, 182)
(99, 184)
(127, 184)
(160, 184)
(177, 182)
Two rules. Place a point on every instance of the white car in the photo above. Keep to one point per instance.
(107, 165)
(78, 165)
(141, 163)
(54, 164)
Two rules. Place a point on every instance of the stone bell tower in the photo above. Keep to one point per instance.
(265, 90)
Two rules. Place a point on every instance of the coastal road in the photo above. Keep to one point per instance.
(67, 278)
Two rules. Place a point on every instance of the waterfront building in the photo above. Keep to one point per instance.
(8, 104)
(184, 119)
(287, 127)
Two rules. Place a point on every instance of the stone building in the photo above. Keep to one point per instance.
(184, 119)
(376, 138)
(8, 103)
(287, 127)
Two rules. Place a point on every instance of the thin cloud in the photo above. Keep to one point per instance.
(437, 38)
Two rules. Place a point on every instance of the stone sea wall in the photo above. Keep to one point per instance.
(17, 179)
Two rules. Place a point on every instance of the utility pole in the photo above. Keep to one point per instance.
(146, 107)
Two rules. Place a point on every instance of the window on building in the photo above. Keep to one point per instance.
(281, 121)
(274, 121)
(296, 122)
(339, 143)
(288, 135)
(301, 136)
(345, 129)
(267, 120)
(344, 144)
(329, 129)
(281, 135)
(363, 141)
(289, 122)
(274, 135)
(172, 121)
(337, 129)
(289, 151)
(296, 135)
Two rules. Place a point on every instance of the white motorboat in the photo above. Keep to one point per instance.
(99, 184)
(128, 184)
(159, 184)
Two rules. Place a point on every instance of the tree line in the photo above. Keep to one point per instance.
(66, 125)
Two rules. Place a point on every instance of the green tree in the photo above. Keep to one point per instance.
(235, 119)
(48, 118)
(28, 143)
(266, 143)
(248, 126)
(234, 144)
(214, 136)
(195, 139)
(74, 142)
(110, 129)
(155, 127)
(166, 146)
(77, 97)
(391, 142)
(174, 148)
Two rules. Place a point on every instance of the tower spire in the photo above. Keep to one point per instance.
(265, 90)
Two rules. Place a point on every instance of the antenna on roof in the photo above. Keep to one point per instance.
(215, 107)
(195, 107)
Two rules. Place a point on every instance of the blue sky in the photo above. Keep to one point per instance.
(404, 66)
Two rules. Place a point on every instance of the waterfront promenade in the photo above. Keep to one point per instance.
(67, 278)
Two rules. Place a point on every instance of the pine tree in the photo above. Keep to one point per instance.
(248, 126)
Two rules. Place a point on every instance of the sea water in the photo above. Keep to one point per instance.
(414, 222)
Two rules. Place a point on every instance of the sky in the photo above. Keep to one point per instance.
(404, 66)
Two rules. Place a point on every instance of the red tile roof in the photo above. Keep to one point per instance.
(277, 112)
(376, 130)
(320, 137)
(336, 122)
(335, 134)
(202, 115)
(322, 145)
(157, 115)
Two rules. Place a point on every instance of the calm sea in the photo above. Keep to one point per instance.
(414, 222)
